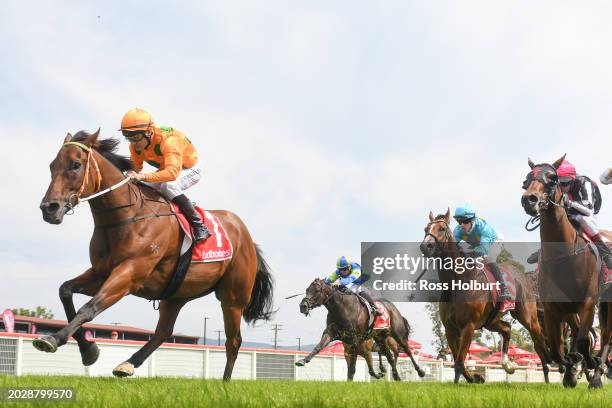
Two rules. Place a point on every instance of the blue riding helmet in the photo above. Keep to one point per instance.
(464, 212)
(343, 263)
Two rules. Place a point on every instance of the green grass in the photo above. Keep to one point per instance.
(176, 392)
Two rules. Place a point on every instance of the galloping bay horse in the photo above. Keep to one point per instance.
(569, 277)
(348, 321)
(134, 249)
(464, 311)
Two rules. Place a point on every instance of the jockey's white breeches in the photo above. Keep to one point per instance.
(186, 178)
(587, 223)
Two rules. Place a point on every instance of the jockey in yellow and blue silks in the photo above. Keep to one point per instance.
(480, 236)
(348, 274)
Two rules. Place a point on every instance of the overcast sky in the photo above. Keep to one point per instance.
(321, 124)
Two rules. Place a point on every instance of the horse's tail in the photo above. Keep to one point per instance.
(260, 305)
(407, 325)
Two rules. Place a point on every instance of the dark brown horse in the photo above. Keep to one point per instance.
(463, 311)
(134, 249)
(568, 279)
(348, 321)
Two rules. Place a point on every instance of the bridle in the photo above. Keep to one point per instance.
(309, 303)
(447, 232)
(91, 160)
(97, 180)
(544, 200)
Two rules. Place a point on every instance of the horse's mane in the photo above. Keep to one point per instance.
(440, 216)
(108, 149)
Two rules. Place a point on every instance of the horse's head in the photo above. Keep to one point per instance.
(68, 177)
(437, 234)
(316, 295)
(541, 187)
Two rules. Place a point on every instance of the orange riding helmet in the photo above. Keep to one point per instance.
(136, 120)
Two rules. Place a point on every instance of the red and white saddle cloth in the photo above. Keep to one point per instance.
(383, 321)
(215, 248)
(510, 284)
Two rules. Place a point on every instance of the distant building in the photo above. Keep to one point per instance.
(36, 325)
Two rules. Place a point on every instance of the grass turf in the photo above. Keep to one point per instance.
(178, 392)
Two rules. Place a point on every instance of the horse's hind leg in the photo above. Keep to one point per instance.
(231, 320)
(168, 312)
(391, 357)
(605, 323)
(505, 330)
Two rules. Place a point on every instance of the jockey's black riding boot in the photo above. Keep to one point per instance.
(505, 295)
(367, 297)
(533, 258)
(198, 229)
(604, 251)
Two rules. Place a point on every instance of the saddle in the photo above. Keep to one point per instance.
(382, 321)
(506, 305)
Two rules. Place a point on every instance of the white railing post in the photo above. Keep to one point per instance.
(205, 372)
(19, 357)
(296, 377)
(151, 367)
(254, 365)
(333, 368)
(441, 370)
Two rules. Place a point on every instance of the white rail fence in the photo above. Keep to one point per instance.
(19, 357)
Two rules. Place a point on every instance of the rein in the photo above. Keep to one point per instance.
(98, 184)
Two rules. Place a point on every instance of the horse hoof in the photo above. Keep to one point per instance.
(300, 363)
(569, 381)
(478, 379)
(595, 382)
(421, 373)
(124, 369)
(48, 344)
(90, 355)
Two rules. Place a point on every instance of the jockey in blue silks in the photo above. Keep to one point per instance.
(348, 274)
(480, 236)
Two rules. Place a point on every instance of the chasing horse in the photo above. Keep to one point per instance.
(464, 311)
(569, 266)
(351, 320)
(137, 243)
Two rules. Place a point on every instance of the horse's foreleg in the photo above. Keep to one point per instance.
(168, 312)
(583, 340)
(367, 355)
(527, 316)
(505, 330)
(465, 338)
(391, 355)
(112, 290)
(88, 284)
(351, 362)
(325, 340)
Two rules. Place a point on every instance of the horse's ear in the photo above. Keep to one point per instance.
(431, 217)
(558, 162)
(93, 138)
(447, 215)
(68, 137)
(530, 163)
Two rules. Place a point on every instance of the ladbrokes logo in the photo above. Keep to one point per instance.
(217, 254)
